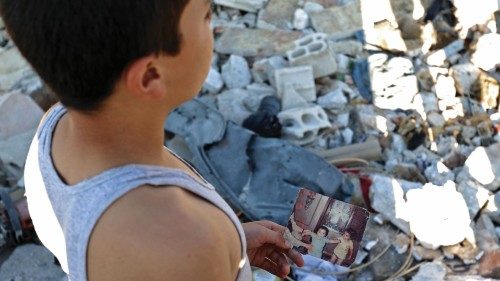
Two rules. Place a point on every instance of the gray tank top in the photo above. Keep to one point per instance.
(64, 216)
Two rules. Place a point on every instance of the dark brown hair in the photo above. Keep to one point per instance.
(80, 48)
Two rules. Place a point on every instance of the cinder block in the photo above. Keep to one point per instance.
(314, 50)
(292, 99)
(301, 78)
(301, 125)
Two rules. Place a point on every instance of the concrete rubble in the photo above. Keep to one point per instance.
(420, 79)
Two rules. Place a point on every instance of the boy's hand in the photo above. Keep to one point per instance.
(266, 248)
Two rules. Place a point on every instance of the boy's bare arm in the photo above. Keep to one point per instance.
(163, 234)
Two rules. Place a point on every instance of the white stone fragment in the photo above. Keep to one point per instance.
(333, 100)
(465, 76)
(213, 83)
(11, 105)
(300, 77)
(245, 5)
(438, 215)
(487, 55)
(300, 19)
(236, 73)
(347, 135)
(483, 165)
(445, 89)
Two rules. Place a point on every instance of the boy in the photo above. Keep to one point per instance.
(319, 240)
(344, 248)
(96, 164)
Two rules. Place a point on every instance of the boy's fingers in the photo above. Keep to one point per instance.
(296, 257)
(272, 226)
(273, 237)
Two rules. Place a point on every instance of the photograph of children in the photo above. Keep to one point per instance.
(326, 228)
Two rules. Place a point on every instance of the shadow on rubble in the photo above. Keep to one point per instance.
(259, 176)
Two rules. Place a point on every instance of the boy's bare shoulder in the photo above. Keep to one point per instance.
(163, 233)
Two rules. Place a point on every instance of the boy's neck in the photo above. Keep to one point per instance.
(121, 133)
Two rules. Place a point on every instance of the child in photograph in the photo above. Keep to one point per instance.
(105, 195)
(344, 248)
(319, 240)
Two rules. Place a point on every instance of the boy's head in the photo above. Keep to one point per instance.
(82, 49)
(349, 234)
(322, 231)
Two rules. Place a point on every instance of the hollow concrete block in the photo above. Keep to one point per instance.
(301, 78)
(301, 125)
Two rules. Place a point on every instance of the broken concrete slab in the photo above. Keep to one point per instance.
(433, 224)
(245, 5)
(351, 48)
(333, 100)
(277, 14)
(236, 73)
(13, 151)
(10, 106)
(338, 22)
(292, 99)
(254, 42)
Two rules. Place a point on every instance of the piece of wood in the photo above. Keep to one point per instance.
(369, 150)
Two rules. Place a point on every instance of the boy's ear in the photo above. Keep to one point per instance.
(143, 78)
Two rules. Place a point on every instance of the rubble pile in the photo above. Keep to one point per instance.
(405, 94)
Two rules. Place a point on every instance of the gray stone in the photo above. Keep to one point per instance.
(422, 253)
(436, 120)
(347, 47)
(233, 104)
(278, 14)
(431, 271)
(487, 55)
(213, 83)
(29, 263)
(255, 42)
(263, 70)
(475, 196)
(236, 73)
(10, 107)
(439, 174)
(493, 208)
(439, 57)
(434, 222)
(333, 100)
(465, 76)
(338, 22)
(310, 7)
(13, 68)
(483, 165)
(13, 151)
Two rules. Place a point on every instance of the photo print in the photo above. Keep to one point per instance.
(326, 228)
